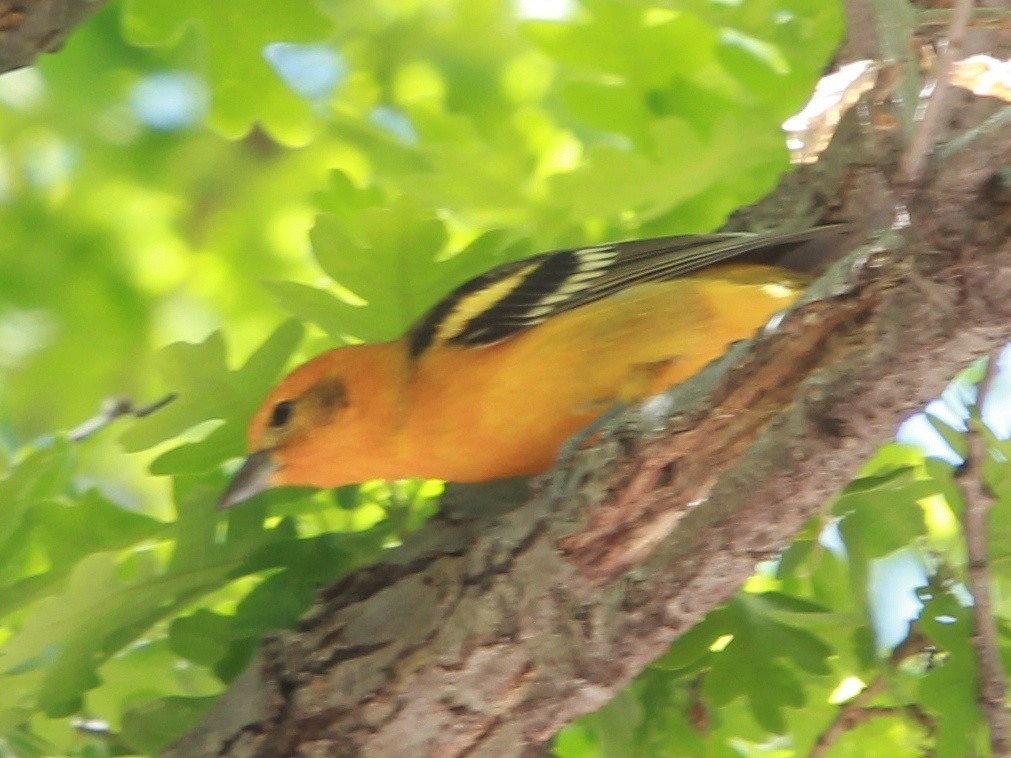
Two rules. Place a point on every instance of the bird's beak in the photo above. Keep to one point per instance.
(251, 479)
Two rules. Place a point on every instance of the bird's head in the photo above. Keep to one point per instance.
(306, 431)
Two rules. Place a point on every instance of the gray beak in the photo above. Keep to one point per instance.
(251, 479)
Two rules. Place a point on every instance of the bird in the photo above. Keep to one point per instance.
(496, 376)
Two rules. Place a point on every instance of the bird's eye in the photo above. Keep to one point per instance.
(281, 413)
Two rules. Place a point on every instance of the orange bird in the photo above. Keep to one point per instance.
(494, 379)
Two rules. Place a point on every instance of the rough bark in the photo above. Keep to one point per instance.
(484, 637)
(29, 28)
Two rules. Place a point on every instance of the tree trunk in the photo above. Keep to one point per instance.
(485, 636)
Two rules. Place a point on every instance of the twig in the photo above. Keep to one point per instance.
(850, 714)
(112, 409)
(857, 711)
(915, 158)
(920, 716)
(992, 125)
(992, 686)
(984, 17)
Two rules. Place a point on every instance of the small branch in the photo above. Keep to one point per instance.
(915, 158)
(850, 714)
(992, 686)
(987, 18)
(995, 123)
(857, 711)
(920, 716)
(112, 409)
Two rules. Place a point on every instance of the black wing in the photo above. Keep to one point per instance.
(522, 294)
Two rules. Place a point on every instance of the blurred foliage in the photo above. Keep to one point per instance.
(185, 177)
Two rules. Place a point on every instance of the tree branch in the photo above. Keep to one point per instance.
(29, 28)
(851, 717)
(992, 684)
(484, 637)
(488, 636)
(850, 714)
(982, 17)
(925, 136)
(858, 710)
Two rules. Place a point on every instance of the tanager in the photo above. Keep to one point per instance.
(496, 376)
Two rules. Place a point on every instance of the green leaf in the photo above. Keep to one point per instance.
(277, 602)
(865, 646)
(577, 740)
(681, 164)
(66, 531)
(956, 439)
(308, 564)
(24, 744)
(236, 660)
(882, 512)
(202, 637)
(692, 646)
(615, 726)
(73, 626)
(153, 725)
(209, 391)
(610, 106)
(246, 91)
(949, 689)
(338, 318)
(42, 474)
(943, 474)
(145, 671)
(386, 260)
(998, 528)
(92, 524)
(835, 581)
(749, 665)
(634, 43)
(794, 556)
(797, 612)
(390, 261)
